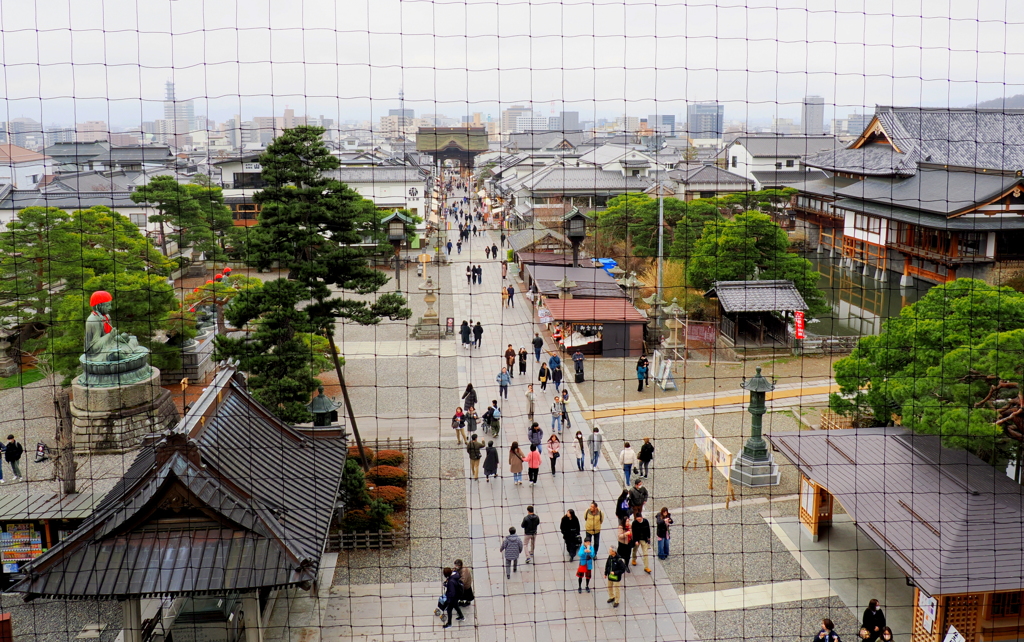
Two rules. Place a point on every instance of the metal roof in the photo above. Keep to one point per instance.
(533, 235)
(971, 223)
(18, 506)
(951, 522)
(782, 146)
(596, 310)
(932, 190)
(198, 512)
(591, 282)
(792, 178)
(588, 179)
(757, 296)
(20, 199)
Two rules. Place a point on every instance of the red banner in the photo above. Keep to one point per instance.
(798, 325)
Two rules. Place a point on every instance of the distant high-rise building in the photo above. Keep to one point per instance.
(531, 123)
(178, 110)
(812, 121)
(705, 120)
(663, 124)
(566, 121)
(91, 131)
(857, 123)
(785, 126)
(510, 115)
(23, 132)
(58, 134)
(628, 123)
(408, 113)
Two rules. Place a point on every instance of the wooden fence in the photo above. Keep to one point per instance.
(815, 344)
(342, 541)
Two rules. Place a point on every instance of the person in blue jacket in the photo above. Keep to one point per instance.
(586, 567)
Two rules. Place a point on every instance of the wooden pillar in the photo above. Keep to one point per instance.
(49, 536)
(253, 620)
(131, 612)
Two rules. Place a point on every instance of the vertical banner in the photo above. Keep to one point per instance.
(798, 324)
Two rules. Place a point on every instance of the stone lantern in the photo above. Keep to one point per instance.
(672, 322)
(323, 408)
(575, 223)
(564, 288)
(631, 285)
(428, 326)
(755, 466)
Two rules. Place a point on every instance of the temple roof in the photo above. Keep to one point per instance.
(470, 139)
(200, 512)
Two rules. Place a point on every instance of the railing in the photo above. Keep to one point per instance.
(940, 257)
(828, 345)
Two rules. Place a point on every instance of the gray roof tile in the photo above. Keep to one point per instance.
(779, 146)
(931, 190)
(757, 296)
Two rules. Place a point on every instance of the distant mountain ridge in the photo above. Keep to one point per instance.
(1009, 102)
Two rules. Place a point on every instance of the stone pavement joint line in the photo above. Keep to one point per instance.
(755, 596)
(709, 401)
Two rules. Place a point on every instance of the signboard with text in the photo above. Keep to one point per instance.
(798, 325)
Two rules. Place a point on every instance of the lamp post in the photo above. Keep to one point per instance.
(575, 223)
(395, 224)
(755, 466)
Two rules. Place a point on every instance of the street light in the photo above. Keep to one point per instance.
(575, 223)
(396, 224)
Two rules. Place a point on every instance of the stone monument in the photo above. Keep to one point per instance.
(117, 399)
(428, 326)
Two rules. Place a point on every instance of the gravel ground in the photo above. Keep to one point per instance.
(438, 505)
(788, 621)
(611, 380)
(59, 621)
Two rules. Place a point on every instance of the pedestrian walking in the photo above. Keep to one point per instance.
(458, 244)
(542, 376)
(886, 634)
(511, 296)
(554, 361)
(554, 446)
(566, 424)
(538, 345)
(12, 455)
(487, 252)
(503, 379)
(452, 591)
(469, 396)
(492, 417)
(641, 530)
(494, 250)
(577, 361)
(641, 376)
(448, 246)
(504, 298)
(592, 521)
(510, 360)
(490, 462)
(473, 448)
(459, 425)
(637, 497)
(515, 463)
(470, 273)
(530, 401)
(471, 419)
(586, 564)
(512, 546)
(595, 440)
(627, 457)
(556, 414)
(578, 450)
(502, 239)
(479, 274)
(827, 632)
(644, 457)
(625, 540)
(533, 465)
(663, 530)
(467, 582)
(466, 332)
(622, 504)
(873, 620)
(614, 568)
(530, 524)
(478, 334)
(556, 377)
(523, 356)
(570, 529)
(536, 435)
(642, 362)
(504, 270)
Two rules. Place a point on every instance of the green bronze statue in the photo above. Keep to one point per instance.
(111, 358)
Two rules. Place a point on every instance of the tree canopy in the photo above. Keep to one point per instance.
(196, 213)
(751, 246)
(948, 365)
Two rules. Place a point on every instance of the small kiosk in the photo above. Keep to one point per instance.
(605, 327)
(953, 523)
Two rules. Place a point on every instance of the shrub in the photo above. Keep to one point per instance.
(353, 485)
(353, 453)
(391, 495)
(374, 518)
(390, 458)
(388, 476)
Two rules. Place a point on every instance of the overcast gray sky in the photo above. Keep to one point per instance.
(74, 60)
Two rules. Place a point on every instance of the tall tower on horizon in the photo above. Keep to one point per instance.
(178, 110)
(812, 121)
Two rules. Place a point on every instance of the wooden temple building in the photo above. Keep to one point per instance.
(754, 315)
(214, 518)
(926, 193)
(952, 523)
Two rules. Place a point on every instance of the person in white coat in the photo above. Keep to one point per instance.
(626, 459)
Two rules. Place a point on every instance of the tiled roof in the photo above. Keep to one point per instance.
(707, 173)
(379, 174)
(542, 140)
(429, 139)
(597, 310)
(780, 146)
(935, 221)
(20, 199)
(951, 522)
(757, 296)
(529, 237)
(586, 178)
(10, 153)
